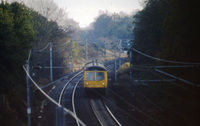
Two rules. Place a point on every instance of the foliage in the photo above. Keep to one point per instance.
(76, 49)
(46, 31)
(181, 31)
(106, 25)
(52, 12)
(148, 26)
(17, 37)
(169, 29)
(22, 29)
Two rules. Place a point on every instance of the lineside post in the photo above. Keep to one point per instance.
(115, 65)
(51, 62)
(86, 52)
(105, 50)
(131, 85)
(120, 54)
(59, 116)
(71, 53)
(28, 95)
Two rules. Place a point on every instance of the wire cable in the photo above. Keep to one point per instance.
(43, 48)
(163, 60)
(62, 44)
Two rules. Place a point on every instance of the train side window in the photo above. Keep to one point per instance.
(99, 76)
(90, 76)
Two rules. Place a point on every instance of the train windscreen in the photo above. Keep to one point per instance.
(90, 76)
(99, 76)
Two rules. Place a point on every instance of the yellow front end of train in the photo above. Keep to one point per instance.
(95, 79)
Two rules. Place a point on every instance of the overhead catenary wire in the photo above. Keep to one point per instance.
(61, 44)
(55, 55)
(62, 48)
(65, 47)
(43, 48)
(52, 100)
(164, 60)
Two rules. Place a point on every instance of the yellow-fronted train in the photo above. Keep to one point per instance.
(95, 76)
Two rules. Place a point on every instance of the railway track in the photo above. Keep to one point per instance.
(103, 114)
(73, 98)
(65, 93)
(166, 93)
(104, 117)
(66, 85)
(55, 91)
(101, 111)
(112, 99)
(137, 113)
(67, 98)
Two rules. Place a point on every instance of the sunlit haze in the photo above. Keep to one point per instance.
(84, 11)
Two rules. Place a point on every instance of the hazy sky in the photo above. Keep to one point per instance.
(84, 11)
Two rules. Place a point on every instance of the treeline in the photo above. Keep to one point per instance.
(20, 29)
(17, 37)
(108, 26)
(112, 26)
(169, 29)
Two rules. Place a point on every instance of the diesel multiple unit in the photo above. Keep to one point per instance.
(95, 75)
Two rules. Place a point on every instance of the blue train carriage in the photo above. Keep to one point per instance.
(95, 75)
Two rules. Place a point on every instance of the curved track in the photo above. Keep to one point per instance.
(103, 114)
(67, 98)
(117, 107)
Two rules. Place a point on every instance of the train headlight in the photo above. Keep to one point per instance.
(87, 83)
(103, 83)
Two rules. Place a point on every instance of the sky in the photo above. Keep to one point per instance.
(85, 11)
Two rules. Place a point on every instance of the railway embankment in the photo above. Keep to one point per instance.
(165, 102)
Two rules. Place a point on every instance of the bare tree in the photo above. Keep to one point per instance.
(50, 10)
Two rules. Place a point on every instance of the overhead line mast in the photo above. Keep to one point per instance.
(51, 62)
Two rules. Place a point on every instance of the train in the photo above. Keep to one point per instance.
(95, 75)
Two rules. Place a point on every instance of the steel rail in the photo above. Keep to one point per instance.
(133, 106)
(61, 94)
(148, 100)
(104, 116)
(112, 115)
(61, 44)
(95, 113)
(73, 104)
(43, 48)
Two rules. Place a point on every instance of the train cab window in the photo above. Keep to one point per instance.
(90, 76)
(99, 76)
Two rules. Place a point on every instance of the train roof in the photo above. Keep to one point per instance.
(95, 65)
